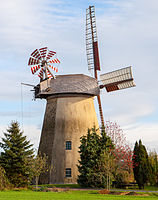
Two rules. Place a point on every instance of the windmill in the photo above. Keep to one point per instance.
(112, 81)
(70, 107)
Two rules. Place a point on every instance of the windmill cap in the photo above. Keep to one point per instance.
(72, 84)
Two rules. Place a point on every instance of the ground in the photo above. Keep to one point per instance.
(69, 195)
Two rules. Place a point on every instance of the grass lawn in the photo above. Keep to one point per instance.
(151, 188)
(69, 195)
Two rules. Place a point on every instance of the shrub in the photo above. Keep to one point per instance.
(4, 183)
(122, 178)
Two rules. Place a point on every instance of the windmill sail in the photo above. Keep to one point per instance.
(117, 80)
(92, 50)
(91, 40)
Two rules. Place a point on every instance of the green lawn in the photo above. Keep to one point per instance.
(151, 188)
(70, 195)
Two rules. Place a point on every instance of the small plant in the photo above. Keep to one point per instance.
(40, 189)
(37, 166)
(4, 183)
(122, 178)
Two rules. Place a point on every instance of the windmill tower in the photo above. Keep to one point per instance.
(70, 109)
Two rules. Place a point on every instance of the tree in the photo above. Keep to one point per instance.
(108, 160)
(92, 151)
(38, 166)
(153, 161)
(16, 151)
(141, 165)
(122, 152)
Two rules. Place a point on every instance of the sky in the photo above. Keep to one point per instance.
(127, 36)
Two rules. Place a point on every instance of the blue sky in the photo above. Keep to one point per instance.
(127, 34)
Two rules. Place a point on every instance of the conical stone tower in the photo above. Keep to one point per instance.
(69, 113)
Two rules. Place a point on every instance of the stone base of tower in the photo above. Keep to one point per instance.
(66, 120)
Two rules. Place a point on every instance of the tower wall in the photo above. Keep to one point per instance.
(66, 119)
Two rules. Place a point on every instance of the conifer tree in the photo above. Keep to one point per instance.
(141, 165)
(16, 150)
(92, 159)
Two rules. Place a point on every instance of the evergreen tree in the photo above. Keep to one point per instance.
(141, 165)
(153, 161)
(92, 163)
(17, 150)
(135, 160)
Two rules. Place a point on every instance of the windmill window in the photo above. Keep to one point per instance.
(68, 145)
(68, 172)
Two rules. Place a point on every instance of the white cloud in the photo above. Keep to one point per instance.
(146, 132)
(25, 24)
(128, 106)
(33, 134)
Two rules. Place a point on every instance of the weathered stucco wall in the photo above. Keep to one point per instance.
(66, 119)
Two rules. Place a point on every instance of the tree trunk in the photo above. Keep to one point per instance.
(109, 181)
(37, 178)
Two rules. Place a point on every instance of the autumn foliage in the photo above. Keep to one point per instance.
(122, 151)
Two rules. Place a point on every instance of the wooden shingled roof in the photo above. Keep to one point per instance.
(68, 84)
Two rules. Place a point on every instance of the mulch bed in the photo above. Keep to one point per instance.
(104, 191)
(121, 193)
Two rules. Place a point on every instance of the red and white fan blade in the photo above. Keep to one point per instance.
(33, 61)
(49, 74)
(54, 68)
(56, 60)
(36, 54)
(43, 52)
(41, 73)
(50, 54)
(34, 69)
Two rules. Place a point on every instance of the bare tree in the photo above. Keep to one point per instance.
(122, 151)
